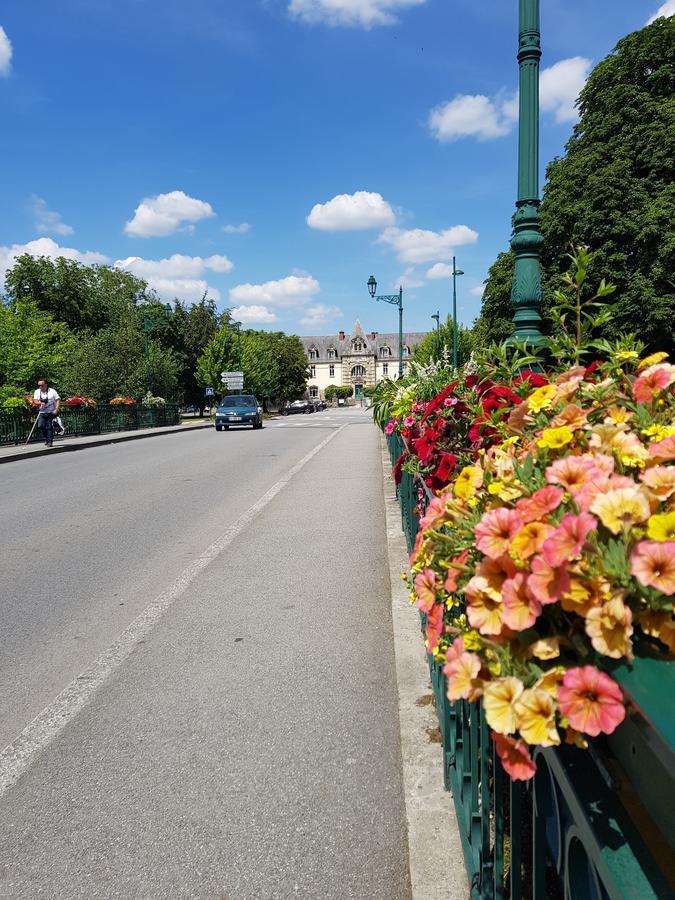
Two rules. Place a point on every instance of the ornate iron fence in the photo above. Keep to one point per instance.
(16, 426)
(592, 825)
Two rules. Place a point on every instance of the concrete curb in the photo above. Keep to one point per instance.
(435, 849)
(115, 437)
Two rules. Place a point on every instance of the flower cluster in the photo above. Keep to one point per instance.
(553, 550)
(79, 401)
(122, 401)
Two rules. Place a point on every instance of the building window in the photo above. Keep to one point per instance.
(357, 346)
(331, 371)
(314, 392)
(358, 371)
(312, 371)
(331, 353)
(406, 351)
(385, 351)
(313, 354)
(385, 368)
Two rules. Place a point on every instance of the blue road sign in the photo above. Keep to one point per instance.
(209, 392)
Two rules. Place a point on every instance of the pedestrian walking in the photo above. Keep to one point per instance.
(48, 403)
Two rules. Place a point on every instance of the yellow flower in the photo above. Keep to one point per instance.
(504, 491)
(658, 432)
(621, 508)
(550, 681)
(617, 415)
(610, 628)
(546, 648)
(536, 718)
(472, 640)
(499, 702)
(652, 360)
(555, 438)
(662, 527)
(468, 481)
(510, 441)
(624, 355)
(542, 398)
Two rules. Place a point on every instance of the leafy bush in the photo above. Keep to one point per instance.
(338, 392)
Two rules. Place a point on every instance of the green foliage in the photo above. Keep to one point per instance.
(494, 323)
(438, 344)
(338, 392)
(369, 391)
(32, 346)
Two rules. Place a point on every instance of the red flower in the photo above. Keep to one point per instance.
(446, 466)
(534, 379)
(398, 469)
(437, 402)
(425, 446)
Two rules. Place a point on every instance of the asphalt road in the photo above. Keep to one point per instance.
(201, 625)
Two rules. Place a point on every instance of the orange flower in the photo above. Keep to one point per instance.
(484, 610)
(547, 583)
(572, 416)
(652, 381)
(664, 450)
(461, 673)
(545, 648)
(499, 704)
(621, 509)
(530, 539)
(583, 594)
(659, 625)
(496, 530)
(521, 609)
(515, 757)
(540, 504)
(536, 718)
(425, 588)
(610, 628)
(591, 701)
(653, 564)
(660, 481)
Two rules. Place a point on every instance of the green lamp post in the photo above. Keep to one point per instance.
(437, 318)
(527, 238)
(148, 325)
(455, 273)
(396, 300)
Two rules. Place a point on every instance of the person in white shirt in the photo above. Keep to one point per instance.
(48, 403)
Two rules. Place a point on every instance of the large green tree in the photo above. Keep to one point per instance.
(32, 346)
(439, 342)
(613, 191)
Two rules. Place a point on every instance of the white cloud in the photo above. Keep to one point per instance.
(486, 118)
(360, 13)
(46, 247)
(254, 314)
(667, 9)
(409, 280)
(317, 316)
(352, 212)
(164, 214)
(5, 52)
(178, 275)
(294, 290)
(419, 246)
(46, 220)
(478, 291)
(472, 116)
(561, 84)
(236, 229)
(439, 270)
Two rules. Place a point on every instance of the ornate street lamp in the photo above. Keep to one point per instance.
(455, 273)
(527, 238)
(396, 300)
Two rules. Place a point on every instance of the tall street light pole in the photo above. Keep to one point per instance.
(455, 273)
(437, 318)
(396, 300)
(527, 238)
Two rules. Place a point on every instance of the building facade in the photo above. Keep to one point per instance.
(359, 359)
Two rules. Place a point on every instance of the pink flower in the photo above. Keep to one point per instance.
(496, 530)
(591, 701)
(461, 672)
(425, 588)
(568, 539)
(390, 426)
(572, 472)
(515, 757)
(652, 381)
(457, 566)
(540, 504)
(546, 583)
(663, 450)
(521, 609)
(409, 421)
(434, 513)
(653, 564)
(434, 626)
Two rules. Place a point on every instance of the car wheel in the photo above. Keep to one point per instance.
(226, 427)
(219, 427)
(307, 412)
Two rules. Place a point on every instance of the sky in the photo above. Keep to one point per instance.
(276, 153)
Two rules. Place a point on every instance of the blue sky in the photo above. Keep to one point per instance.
(278, 152)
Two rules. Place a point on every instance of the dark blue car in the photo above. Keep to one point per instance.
(241, 409)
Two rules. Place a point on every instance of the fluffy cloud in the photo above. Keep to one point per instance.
(439, 270)
(236, 229)
(294, 290)
(478, 291)
(667, 9)
(486, 118)
(260, 315)
(561, 84)
(166, 213)
(178, 276)
(5, 52)
(360, 13)
(419, 246)
(46, 220)
(352, 212)
(46, 247)
(409, 279)
(317, 316)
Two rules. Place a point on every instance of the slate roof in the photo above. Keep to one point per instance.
(323, 343)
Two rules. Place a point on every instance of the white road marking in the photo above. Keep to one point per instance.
(39, 733)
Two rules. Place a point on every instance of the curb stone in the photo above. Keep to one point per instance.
(436, 858)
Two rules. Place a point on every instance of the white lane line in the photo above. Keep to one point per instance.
(39, 733)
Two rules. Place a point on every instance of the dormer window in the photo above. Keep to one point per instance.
(357, 346)
(331, 353)
(313, 354)
(385, 351)
(406, 351)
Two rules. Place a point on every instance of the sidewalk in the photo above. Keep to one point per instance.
(10, 452)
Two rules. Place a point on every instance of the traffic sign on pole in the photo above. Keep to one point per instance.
(209, 392)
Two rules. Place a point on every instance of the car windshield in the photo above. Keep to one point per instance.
(238, 401)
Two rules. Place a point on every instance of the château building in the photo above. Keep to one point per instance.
(358, 359)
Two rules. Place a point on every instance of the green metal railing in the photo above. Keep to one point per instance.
(595, 824)
(16, 426)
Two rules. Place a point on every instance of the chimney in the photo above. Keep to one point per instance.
(373, 335)
(341, 335)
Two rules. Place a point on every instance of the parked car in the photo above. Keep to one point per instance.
(297, 406)
(238, 409)
(318, 404)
